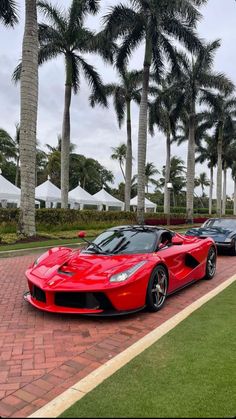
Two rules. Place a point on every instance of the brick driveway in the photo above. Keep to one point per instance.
(42, 354)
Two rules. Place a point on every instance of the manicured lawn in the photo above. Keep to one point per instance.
(189, 373)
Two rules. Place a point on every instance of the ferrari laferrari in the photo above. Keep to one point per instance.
(125, 269)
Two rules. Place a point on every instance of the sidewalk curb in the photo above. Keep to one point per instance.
(22, 252)
(76, 392)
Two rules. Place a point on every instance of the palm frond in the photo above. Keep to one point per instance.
(54, 14)
(94, 81)
(8, 12)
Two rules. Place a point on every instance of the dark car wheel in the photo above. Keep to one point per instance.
(233, 248)
(157, 288)
(211, 263)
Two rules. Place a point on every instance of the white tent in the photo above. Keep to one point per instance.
(108, 200)
(8, 192)
(149, 206)
(82, 197)
(49, 193)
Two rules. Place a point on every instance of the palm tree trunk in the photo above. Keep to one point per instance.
(219, 171)
(234, 196)
(167, 176)
(17, 170)
(224, 190)
(65, 138)
(211, 190)
(191, 167)
(142, 135)
(28, 119)
(128, 164)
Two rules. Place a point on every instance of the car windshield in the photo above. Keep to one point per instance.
(222, 223)
(124, 242)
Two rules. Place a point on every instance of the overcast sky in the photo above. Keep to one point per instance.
(95, 131)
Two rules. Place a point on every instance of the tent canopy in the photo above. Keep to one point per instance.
(8, 191)
(81, 196)
(106, 199)
(148, 204)
(47, 191)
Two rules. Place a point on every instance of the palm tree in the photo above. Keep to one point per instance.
(8, 12)
(150, 171)
(164, 112)
(177, 176)
(196, 76)
(124, 93)
(234, 179)
(119, 153)
(157, 24)
(228, 156)
(203, 181)
(66, 35)
(10, 147)
(28, 119)
(208, 152)
(223, 109)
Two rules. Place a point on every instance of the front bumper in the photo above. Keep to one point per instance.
(223, 245)
(122, 298)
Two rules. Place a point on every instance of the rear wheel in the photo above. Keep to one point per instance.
(211, 263)
(157, 288)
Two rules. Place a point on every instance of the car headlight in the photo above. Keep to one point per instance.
(123, 276)
(36, 262)
(228, 240)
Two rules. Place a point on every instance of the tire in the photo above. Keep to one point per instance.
(157, 288)
(211, 263)
(233, 248)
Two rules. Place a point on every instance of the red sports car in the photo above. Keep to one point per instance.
(123, 270)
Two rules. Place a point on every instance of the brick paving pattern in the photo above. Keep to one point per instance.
(42, 354)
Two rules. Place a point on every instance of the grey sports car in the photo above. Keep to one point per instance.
(221, 230)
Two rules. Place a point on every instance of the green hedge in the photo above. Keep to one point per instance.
(66, 219)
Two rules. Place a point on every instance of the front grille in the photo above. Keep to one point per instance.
(86, 300)
(38, 294)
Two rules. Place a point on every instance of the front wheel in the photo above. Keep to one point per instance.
(233, 248)
(157, 288)
(211, 263)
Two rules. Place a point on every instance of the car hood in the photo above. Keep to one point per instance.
(79, 266)
(218, 234)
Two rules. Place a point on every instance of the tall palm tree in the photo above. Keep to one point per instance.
(228, 156)
(124, 93)
(28, 119)
(223, 109)
(207, 151)
(119, 153)
(65, 34)
(157, 24)
(164, 112)
(197, 75)
(234, 179)
(8, 12)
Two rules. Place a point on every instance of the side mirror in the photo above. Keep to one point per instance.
(81, 234)
(177, 240)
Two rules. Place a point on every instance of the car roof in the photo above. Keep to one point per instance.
(141, 227)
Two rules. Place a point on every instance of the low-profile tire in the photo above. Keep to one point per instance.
(211, 263)
(157, 288)
(233, 248)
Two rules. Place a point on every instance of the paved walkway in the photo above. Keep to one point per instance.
(42, 354)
